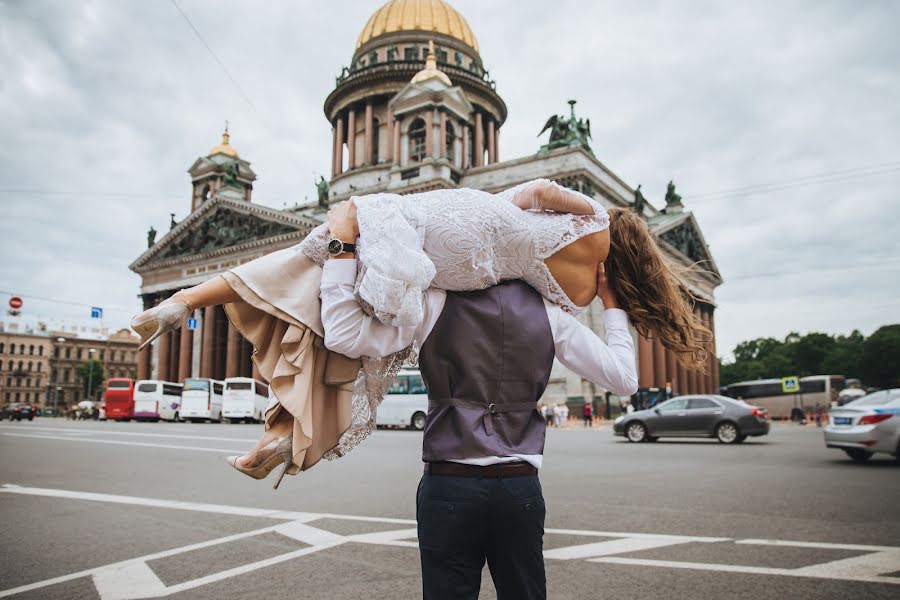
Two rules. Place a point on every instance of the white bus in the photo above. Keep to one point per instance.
(245, 399)
(155, 400)
(405, 404)
(769, 394)
(201, 399)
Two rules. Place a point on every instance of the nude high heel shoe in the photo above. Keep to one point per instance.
(168, 315)
(283, 454)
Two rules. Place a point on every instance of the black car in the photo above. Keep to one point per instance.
(729, 420)
(18, 411)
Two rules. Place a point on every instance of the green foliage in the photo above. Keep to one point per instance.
(881, 357)
(875, 360)
(95, 381)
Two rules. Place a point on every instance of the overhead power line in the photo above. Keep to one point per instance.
(818, 179)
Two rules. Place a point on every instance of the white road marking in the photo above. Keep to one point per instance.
(98, 431)
(121, 443)
(621, 546)
(133, 578)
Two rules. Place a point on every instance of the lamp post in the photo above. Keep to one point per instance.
(90, 371)
(60, 340)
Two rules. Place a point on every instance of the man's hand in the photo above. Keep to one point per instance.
(604, 289)
(342, 221)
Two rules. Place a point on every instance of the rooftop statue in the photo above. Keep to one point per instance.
(570, 131)
(151, 236)
(323, 189)
(671, 197)
(231, 174)
(639, 200)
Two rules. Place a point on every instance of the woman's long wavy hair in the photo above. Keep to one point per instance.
(652, 290)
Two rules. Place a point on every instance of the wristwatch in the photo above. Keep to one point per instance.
(336, 247)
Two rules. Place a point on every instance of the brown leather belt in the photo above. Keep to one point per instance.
(499, 471)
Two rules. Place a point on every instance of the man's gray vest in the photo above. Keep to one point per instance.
(486, 363)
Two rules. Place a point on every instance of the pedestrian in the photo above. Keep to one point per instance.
(543, 408)
(819, 414)
(557, 415)
(564, 418)
(480, 498)
(587, 414)
(629, 407)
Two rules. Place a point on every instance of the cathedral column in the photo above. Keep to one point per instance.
(671, 370)
(206, 354)
(185, 352)
(713, 360)
(174, 353)
(492, 139)
(682, 379)
(390, 129)
(367, 159)
(165, 343)
(334, 150)
(479, 141)
(396, 142)
(232, 357)
(429, 133)
(351, 138)
(659, 363)
(339, 147)
(715, 372)
(442, 139)
(465, 147)
(497, 144)
(645, 362)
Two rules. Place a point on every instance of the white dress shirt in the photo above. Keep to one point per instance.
(349, 331)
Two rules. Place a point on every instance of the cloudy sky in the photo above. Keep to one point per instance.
(104, 105)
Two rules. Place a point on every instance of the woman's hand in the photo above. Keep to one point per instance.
(342, 221)
(604, 289)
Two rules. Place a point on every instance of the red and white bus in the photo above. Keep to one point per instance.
(119, 398)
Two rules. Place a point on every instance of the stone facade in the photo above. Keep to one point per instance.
(30, 361)
(415, 110)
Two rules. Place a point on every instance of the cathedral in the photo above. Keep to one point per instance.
(415, 110)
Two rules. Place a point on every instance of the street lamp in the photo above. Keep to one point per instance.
(59, 340)
(90, 370)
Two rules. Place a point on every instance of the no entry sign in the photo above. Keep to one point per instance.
(15, 302)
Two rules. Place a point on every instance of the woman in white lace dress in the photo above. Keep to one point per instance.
(556, 239)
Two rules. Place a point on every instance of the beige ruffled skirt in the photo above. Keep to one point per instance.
(279, 313)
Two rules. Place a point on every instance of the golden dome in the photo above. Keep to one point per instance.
(413, 15)
(225, 147)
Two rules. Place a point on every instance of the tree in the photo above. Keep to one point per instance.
(95, 381)
(881, 357)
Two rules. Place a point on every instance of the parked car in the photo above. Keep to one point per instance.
(48, 412)
(18, 411)
(730, 421)
(866, 426)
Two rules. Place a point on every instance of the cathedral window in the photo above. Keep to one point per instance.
(441, 55)
(417, 140)
(458, 57)
(451, 141)
(373, 57)
(411, 53)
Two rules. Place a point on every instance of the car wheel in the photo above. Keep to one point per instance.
(727, 432)
(858, 454)
(636, 432)
(418, 421)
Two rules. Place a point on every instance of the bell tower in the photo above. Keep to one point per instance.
(222, 171)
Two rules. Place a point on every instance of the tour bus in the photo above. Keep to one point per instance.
(119, 398)
(155, 400)
(405, 404)
(770, 394)
(201, 399)
(245, 399)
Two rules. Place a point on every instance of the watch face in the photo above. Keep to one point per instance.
(335, 247)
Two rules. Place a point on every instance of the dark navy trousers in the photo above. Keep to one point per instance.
(465, 521)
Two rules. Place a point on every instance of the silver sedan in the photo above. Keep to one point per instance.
(866, 426)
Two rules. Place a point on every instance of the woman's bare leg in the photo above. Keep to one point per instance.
(210, 292)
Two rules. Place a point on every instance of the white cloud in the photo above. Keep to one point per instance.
(110, 102)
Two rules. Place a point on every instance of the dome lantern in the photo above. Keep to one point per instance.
(225, 147)
(418, 15)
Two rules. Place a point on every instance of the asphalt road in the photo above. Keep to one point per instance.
(133, 510)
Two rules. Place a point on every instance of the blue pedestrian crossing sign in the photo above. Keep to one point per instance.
(96, 312)
(790, 385)
(192, 323)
